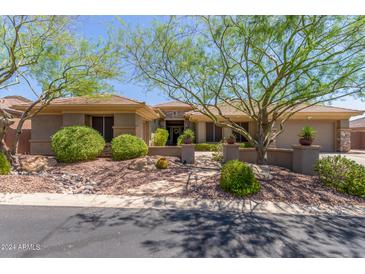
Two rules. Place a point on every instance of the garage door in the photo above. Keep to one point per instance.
(324, 137)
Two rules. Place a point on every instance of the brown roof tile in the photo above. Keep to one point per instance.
(172, 104)
(229, 110)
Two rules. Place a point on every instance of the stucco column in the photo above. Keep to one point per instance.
(230, 152)
(188, 153)
(305, 158)
(227, 132)
(200, 132)
(343, 136)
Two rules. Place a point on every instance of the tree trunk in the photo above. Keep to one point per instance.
(14, 148)
(261, 151)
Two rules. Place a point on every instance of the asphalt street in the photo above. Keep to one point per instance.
(27, 231)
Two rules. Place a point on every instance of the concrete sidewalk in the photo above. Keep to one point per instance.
(147, 202)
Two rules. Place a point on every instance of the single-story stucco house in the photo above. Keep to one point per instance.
(114, 115)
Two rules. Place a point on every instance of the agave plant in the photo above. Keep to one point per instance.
(307, 135)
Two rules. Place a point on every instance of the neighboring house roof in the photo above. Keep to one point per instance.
(103, 103)
(358, 123)
(312, 111)
(8, 101)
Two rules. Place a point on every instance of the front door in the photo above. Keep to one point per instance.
(105, 126)
(175, 132)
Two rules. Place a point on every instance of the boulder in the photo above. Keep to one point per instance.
(261, 172)
(36, 163)
(142, 164)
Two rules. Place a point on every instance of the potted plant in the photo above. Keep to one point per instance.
(307, 135)
(187, 137)
(231, 139)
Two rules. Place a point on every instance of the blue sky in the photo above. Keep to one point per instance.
(94, 27)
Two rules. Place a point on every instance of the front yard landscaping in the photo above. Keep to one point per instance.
(141, 177)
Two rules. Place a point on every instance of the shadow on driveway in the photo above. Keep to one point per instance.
(175, 233)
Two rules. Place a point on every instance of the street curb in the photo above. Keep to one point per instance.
(144, 202)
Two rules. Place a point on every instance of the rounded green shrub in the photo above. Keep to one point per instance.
(127, 146)
(206, 147)
(160, 137)
(237, 178)
(5, 166)
(162, 163)
(77, 143)
(343, 174)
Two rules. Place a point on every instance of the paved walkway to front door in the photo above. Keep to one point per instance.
(203, 169)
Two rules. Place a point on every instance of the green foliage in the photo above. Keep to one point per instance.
(237, 178)
(160, 137)
(342, 174)
(245, 145)
(5, 166)
(77, 143)
(265, 67)
(218, 155)
(186, 135)
(206, 147)
(128, 146)
(162, 163)
(307, 132)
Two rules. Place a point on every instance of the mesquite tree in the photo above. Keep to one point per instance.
(265, 67)
(70, 67)
(23, 40)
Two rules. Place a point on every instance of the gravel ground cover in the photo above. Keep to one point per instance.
(201, 180)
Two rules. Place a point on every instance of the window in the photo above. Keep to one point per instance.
(240, 138)
(105, 126)
(213, 132)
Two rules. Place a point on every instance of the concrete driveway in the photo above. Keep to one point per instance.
(355, 155)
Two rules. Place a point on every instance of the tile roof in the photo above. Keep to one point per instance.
(229, 110)
(172, 104)
(95, 100)
(8, 101)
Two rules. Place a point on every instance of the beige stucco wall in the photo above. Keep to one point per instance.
(124, 123)
(131, 123)
(43, 127)
(200, 132)
(165, 151)
(358, 139)
(325, 136)
(73, 119)
(139, 126)
(227, 132)
(275, 156)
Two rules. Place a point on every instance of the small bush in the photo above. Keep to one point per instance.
(342, 174)
(187, 134)
(160, 137)
(5, 166)
(127, 146)
(206, 147)
(237, 178)
(77, 143)
(245, 145)
(162, 163)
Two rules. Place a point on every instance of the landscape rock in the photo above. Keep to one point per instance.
(36, 163)
(142, 164)
(261, 172)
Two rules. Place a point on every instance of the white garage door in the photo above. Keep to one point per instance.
(324, 137)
